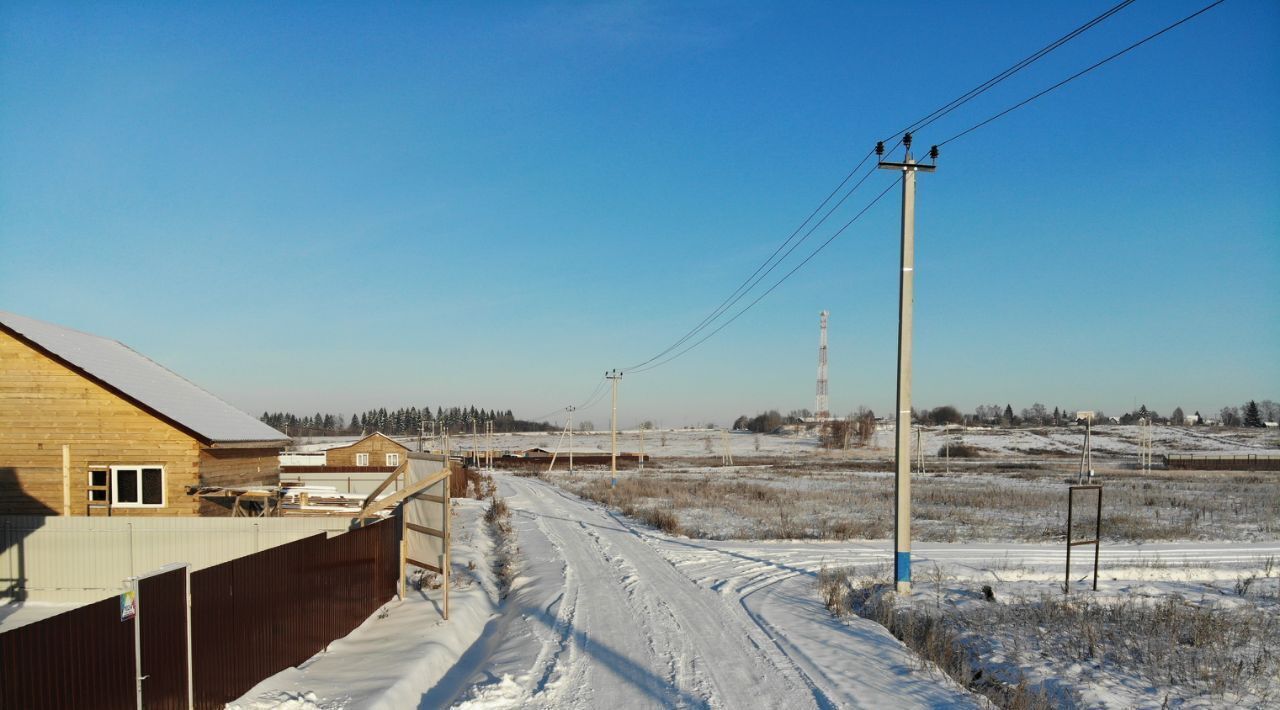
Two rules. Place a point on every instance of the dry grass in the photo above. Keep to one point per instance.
(1189, 650)
(795, 501)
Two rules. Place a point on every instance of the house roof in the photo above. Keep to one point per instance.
(366, 438)
(142, 381)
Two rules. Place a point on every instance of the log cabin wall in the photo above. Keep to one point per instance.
(44, 404)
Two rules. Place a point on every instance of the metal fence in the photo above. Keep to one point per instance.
(249, 618)
(80, 559)
(1224, 462)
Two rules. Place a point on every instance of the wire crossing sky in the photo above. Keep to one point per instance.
(392, 204)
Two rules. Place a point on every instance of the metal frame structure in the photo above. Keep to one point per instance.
(1097, 534)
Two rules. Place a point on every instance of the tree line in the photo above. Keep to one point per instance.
(1249, 414)
(399, 422)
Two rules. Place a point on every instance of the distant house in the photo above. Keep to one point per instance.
(355, 468)
(376, 449)
(138, 437)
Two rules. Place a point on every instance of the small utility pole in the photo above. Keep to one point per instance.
(570, 409)
(906, 302)
(614, 376)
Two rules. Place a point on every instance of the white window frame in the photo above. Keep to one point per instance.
(362, 459)
(115, 488)
(393, 459)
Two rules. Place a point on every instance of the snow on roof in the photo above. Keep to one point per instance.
(349, 444)
(144, 381)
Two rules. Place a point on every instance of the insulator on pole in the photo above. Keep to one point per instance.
(879, 149)
(906, 141)
(933, 152)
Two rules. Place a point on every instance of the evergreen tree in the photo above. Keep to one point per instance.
(1252, 417)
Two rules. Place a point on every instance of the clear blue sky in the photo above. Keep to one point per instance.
(358, 205)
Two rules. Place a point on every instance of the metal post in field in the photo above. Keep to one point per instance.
(906, 303)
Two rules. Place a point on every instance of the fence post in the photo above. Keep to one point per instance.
(137, 634)
(191, 677)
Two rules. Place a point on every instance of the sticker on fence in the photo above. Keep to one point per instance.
(128, 605)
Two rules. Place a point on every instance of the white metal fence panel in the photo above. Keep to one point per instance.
(70, 559)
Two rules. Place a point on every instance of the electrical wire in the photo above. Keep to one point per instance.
(744, 288)
(1082, 72)
(1017, 67)
(768, 265)
(777, 283)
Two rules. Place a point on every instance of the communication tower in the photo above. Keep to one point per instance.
(823, 407)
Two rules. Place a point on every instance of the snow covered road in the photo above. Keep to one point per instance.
(607, 615)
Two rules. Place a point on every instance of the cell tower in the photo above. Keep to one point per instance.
(823, 407)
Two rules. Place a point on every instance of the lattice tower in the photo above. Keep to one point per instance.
(823, 406)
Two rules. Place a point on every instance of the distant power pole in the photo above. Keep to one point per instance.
(823, 407)
(570, 410)
(614, 376)
(906, 302)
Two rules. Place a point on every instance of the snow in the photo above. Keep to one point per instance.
(144, 380)
(391, 662)
(1109, 441)
(14, 614)
(604, 612)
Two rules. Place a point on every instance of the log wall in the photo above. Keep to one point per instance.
(44, 405)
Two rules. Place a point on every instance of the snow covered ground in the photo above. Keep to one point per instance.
(604, 612)
(15, 614)
(401, 652)
(1109, 440)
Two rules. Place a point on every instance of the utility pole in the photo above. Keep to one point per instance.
(614, 376)
(906, 302)
(570, 410)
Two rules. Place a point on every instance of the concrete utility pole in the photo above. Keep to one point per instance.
(614, 376)
(570, 410)
(906, 302)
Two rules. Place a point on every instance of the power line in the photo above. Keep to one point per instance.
(1082, 72)
(734, 297)
(768, 265)
(1017, 67)
(776, 284)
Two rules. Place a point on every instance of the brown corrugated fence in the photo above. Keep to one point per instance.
(250, 618)
(82, 658)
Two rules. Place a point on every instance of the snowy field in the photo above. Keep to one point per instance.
(696, 584)
(1110, 441)
(606, 612)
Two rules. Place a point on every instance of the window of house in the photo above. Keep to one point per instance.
(362, 459)
(98, 485)
(393, 459)
(137, 486)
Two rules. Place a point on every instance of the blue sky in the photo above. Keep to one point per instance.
(365, 205)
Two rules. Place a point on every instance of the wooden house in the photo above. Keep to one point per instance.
(376, 449)
(89, 426)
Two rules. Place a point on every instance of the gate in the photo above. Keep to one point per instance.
(164, 637)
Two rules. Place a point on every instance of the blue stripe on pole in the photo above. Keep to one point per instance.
(904, 567)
